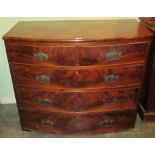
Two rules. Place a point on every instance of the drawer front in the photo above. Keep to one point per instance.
(41, 55)
(77, 123)
(71, 55)
(76, 101)
(77, 78)
(112, 54)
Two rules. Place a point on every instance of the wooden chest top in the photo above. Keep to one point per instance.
(77, 30)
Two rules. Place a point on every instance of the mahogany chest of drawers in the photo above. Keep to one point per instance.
(80, 77)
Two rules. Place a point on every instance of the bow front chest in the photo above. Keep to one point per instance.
(80, 77)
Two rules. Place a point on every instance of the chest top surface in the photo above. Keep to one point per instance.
(77, 30)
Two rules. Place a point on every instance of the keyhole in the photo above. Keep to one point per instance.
(77, 73)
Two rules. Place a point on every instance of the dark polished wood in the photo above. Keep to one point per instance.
(58, 122)
(147, 107)
(150, 21)
(92, 55)
(80, 77)
(64, 56)
(78, 55)
(145, 115)
(25, 75)
(104, 100)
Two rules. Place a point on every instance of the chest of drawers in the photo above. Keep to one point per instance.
(80, 77)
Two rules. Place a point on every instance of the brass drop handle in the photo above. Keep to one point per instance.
(113, 55)
(47, 123)
(45, 101)
(40, 56)
(111, 78)
(43, 78)
(106, 123)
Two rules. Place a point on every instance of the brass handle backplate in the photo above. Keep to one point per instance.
(47, 123)
(106, 123)
(40, 56)
(111, 78)
(43, 78)
(114, 55)
(45, 101)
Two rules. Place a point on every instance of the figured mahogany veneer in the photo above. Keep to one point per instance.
(80, 77)
(76, 101)
(127, 53)
(85, 123)
(74, 55)
(64, 56)
(77, 77)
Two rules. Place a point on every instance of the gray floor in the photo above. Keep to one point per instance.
(10, 127)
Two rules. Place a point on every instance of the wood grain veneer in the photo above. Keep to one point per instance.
(102, 100)
(78, 124)
(80, 77)
(77, 77)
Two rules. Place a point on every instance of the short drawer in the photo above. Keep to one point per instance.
(42, 55)
(66, 123)
(46, 77)
(76, 101)
(112, 54)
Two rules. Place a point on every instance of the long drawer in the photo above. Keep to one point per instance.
(66, 123)
(105, 100)
(77, 55)
(103, 77)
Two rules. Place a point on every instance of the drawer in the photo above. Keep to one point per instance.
(66, 123)
(42, 55)
(71, 55)
(57, 78)
(76, 101)
(112, 54)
